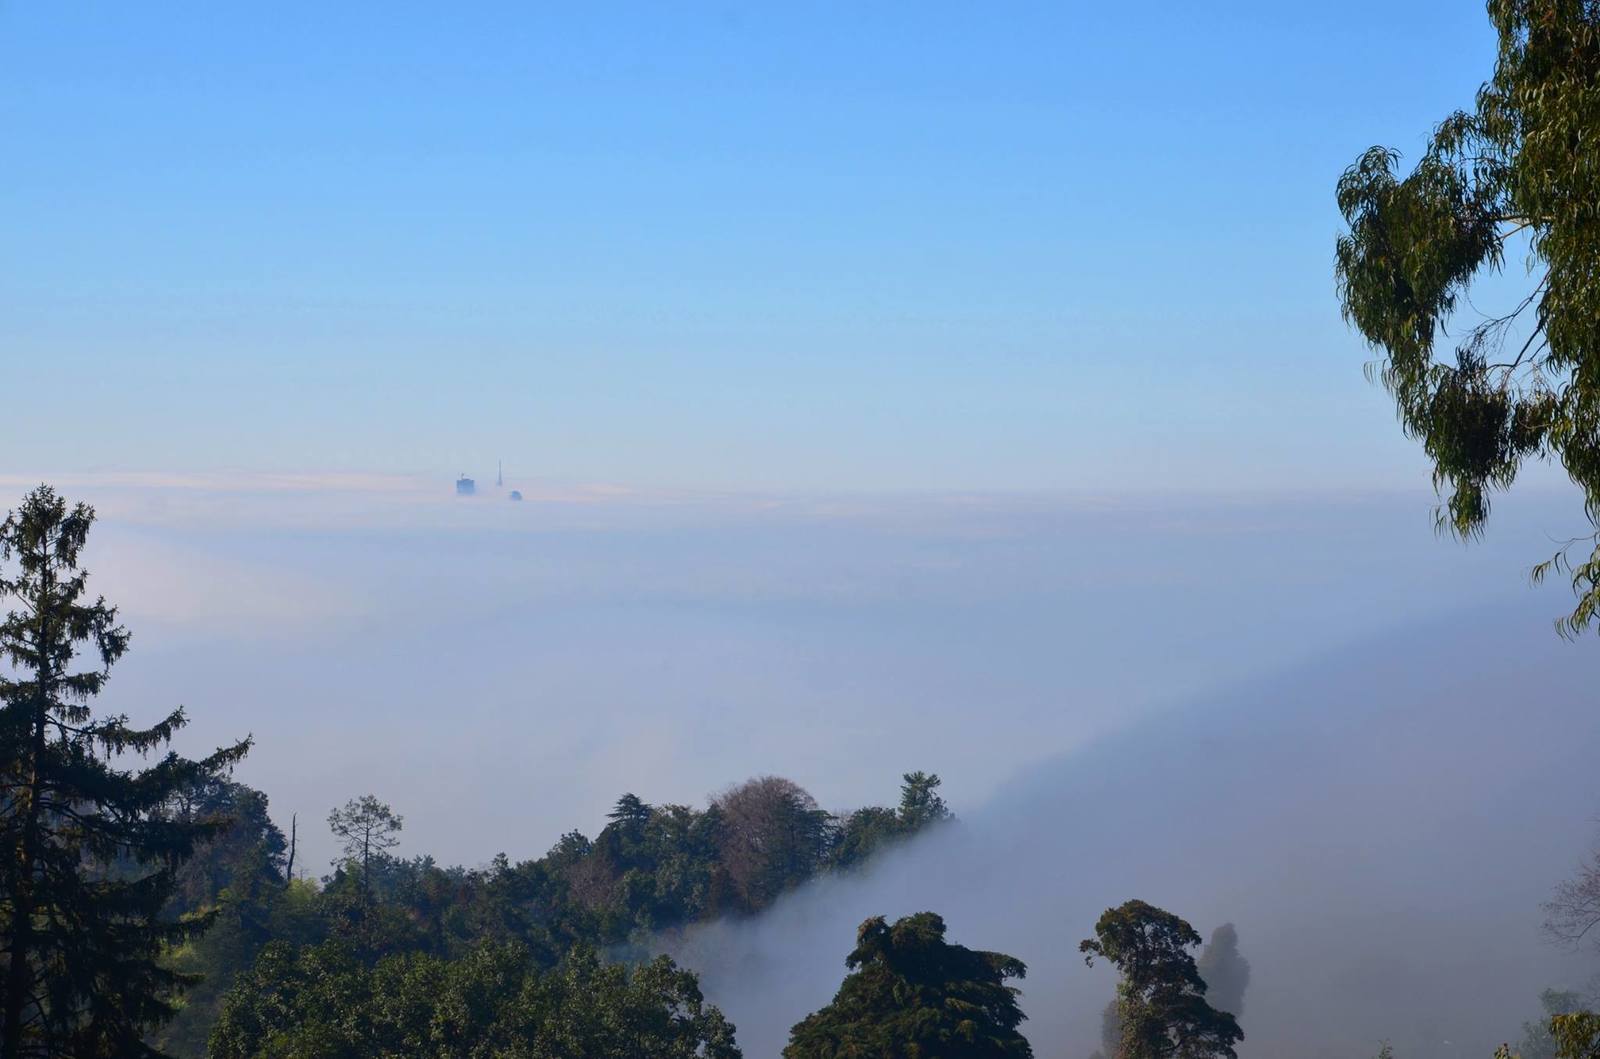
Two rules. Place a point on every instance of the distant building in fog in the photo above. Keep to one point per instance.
(465, 486)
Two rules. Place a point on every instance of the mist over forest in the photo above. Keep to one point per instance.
(1331, 794)
(796, 531)
(1336, 811)
(590, 643)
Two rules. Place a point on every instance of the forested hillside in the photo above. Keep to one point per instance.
(652, 868)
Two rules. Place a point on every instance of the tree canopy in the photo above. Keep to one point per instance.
(366, 829)
(1521, 170)
(913, 995)
(324, 1002)
(1538, 1036)
(652, 868)
(1161, 999)
(90, 844)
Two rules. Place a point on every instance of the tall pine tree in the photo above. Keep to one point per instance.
(88, 846)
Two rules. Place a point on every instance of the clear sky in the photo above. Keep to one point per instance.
(766, 245)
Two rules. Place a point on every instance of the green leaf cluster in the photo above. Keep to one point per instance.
(913, 995)
(493, 1002)
(1520, 170)
(1161, 1006)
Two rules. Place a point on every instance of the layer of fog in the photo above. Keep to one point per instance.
(1381, 824)
(1126, 696)
(502, 672)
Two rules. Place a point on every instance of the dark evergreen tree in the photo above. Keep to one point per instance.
(913, 995)
(1161, 998)
(89, 846)
(630, 812)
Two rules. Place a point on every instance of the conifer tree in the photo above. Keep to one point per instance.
(920, 804)
(367, 830)
(88, 847)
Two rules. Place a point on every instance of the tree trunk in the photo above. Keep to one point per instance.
(19, 975)
(288, 869)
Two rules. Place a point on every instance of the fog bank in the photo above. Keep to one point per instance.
(1380, 823)
(501, 672)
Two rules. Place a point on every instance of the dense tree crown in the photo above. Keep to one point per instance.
(90, 844)
(325, 1002)
(1225, 972)
(771, 835)
(1523, 167)
(913, 995)
(1161, 999)
(653, 868)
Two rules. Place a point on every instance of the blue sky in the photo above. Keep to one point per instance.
(930, 246)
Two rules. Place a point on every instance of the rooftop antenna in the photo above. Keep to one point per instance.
(499, 478)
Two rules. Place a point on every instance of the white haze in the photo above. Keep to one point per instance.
(1381, 825)
(1302, 713)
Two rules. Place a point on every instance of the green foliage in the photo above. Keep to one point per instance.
(912, 995)
(652, 868)
(324, 1002)
(146, 911)
(1161, 998)
(1538, 1040)
(1577, 1035)
(237, 878)
(920, 804)
(1523, 164)
(866, 831)
(366, 829)
(90, 846)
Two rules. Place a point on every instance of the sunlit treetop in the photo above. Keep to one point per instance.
(1522, 166)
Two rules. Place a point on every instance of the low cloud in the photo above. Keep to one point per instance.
(1381, 824)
